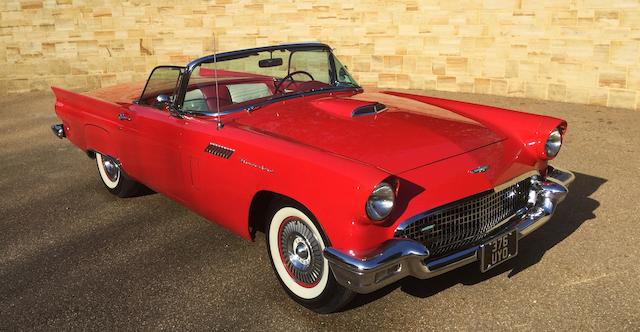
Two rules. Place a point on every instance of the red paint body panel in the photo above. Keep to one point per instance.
(312, 150)
(407, 135)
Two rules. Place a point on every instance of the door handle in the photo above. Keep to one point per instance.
(123, 117)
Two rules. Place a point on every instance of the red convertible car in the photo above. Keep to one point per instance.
(354, 190)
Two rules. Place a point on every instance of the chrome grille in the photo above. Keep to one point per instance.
(463, 223)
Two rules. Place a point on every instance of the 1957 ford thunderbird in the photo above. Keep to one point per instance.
(354, 190)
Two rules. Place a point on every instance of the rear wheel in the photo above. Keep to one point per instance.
(295, 246)
(116, 180)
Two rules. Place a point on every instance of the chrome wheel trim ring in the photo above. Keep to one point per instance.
(300, 252)
(111, 168)
(111, 179)
(289, 282)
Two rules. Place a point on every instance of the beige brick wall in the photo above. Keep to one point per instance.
(582, 51)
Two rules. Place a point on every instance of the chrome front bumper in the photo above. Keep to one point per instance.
(398, 258)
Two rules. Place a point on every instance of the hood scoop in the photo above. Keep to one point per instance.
(348, 108)
(368, 109)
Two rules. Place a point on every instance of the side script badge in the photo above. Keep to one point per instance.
(480, 169)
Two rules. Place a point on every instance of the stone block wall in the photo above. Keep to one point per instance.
(580, 51)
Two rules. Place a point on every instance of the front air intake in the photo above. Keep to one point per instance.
(219, 150)
(466, 222)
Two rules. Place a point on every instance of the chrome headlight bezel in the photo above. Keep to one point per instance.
(381, 201)
(554, 143)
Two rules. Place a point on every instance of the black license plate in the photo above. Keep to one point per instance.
(498, 250)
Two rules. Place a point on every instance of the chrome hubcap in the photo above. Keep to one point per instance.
(301, 252)
(110, 168)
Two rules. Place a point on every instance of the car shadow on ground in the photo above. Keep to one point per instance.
(577, 208)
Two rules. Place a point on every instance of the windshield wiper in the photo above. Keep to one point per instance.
(308, 92)
(337, 88)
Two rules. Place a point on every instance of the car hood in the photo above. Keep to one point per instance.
(405, 135)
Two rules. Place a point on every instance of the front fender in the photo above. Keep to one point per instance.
(334, 189)
(531, 130)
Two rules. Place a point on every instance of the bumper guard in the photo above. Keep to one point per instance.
(58, 130)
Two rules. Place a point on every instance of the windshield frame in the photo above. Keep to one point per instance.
(218, 57)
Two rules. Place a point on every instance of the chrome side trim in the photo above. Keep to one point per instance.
(398, 258)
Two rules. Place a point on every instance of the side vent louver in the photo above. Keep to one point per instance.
(368, 109)
(219, 150)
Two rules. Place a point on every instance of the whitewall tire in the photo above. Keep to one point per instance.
(295, 243)
(116, 180)
(109, 170)
(303, 234)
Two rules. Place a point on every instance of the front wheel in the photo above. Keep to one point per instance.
(295, 246)
(116, 180)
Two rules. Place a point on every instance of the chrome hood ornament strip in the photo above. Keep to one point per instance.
(480, 169)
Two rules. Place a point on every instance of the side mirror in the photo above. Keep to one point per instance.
(163, 99)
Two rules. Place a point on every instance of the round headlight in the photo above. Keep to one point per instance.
(381, 201)
(554, 142)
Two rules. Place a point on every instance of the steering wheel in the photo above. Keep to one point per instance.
(290, 78)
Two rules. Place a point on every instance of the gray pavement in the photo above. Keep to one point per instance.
(72, 256)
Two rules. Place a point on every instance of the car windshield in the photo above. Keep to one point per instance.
(246, 79)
